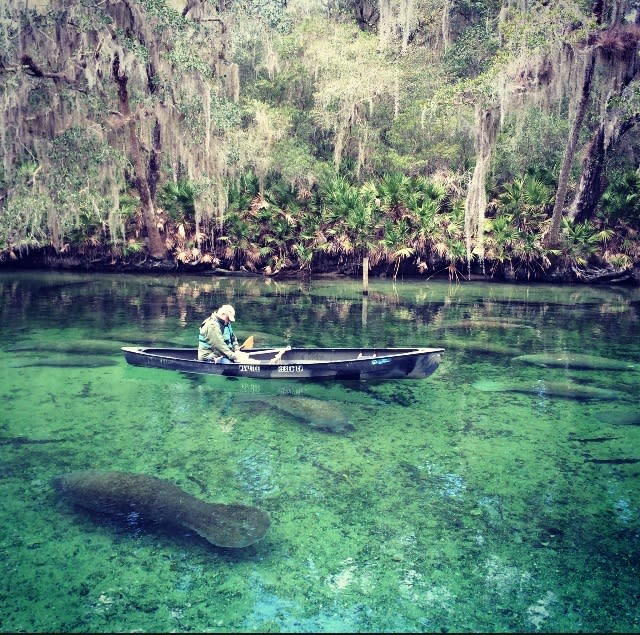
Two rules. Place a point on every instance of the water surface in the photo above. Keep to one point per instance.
(495, 495)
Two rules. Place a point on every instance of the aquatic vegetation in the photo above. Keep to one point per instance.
(449, 505)
(539, 612)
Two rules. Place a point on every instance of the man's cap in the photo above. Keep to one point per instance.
(227, 309)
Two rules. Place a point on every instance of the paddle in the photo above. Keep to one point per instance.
(247, 344)
(261, 351)
(280, 353)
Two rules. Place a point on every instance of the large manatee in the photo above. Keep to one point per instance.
(162, 502)
(64, 361)
(575, 360)
(322, 414)
(543, 388)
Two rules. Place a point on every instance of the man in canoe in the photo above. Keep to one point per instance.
(217, 342)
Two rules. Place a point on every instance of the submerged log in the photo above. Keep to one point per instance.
(162, 502)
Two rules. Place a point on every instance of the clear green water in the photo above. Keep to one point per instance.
(455, 503)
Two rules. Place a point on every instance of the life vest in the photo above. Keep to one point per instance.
(227, 334)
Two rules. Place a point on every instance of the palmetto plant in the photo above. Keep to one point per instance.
(425, 203)
(238, 238)
(178, 200)
(621, 199)
(579, 242)
(392, 191)
(242, 191)
(455, 254)
(525, 202)
(501, 237)
(530, 253)
(396, 242)
(349, 218)
(515, 233)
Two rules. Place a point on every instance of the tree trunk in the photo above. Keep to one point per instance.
(592, 183)
(553, 236)
(591, 186)
(155, 245)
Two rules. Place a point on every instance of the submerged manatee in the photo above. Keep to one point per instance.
(65, 361)
(619, 417)
(491, 348)
(543, 388)
(162, 502)
(574, 360)
(322, 414)
(485, 323)
(72, 346)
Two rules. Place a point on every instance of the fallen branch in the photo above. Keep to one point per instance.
(602, 274)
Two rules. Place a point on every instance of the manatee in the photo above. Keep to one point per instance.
(471, 346)
(542, 388)
(613, 461)
(162, 502)
(326, 415)
(70, 346)
(65, 361)
(621, 418)
(22, 440)
(574, 360)
(482, 323)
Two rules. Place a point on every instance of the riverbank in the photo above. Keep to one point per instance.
(337, 268)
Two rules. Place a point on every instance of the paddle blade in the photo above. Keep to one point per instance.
(247, 344)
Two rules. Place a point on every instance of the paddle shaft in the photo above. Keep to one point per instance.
(248, 345)
(278, 351)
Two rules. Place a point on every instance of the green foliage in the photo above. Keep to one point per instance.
(128, 206)
(621, 199)
(471, 53)
(501, 238)
(74, 143)
(24, 222)
(139, 50)
(271, 13)
(242, 191)
(178, 200)
(348, 215)
(525, 201)
(579, 242)
(320, 96)
(532, 142)
(295, 164)
(132, 248)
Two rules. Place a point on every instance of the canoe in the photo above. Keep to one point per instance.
(299, 363)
